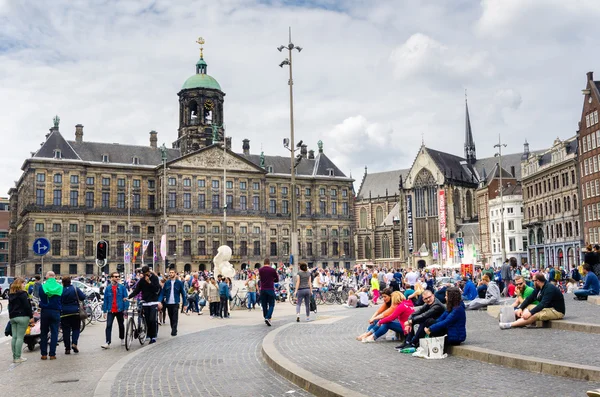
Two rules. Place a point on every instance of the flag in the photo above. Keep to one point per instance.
(163, 246)
(127, 253)
(136, 249)
(154, 257)
(460, 244)
(434, 248)
(145, 244)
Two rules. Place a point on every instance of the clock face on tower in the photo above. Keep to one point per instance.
(209, 105)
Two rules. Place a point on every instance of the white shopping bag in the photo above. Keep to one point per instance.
(507, 314)
(431, 348)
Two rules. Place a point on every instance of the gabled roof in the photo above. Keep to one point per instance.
(394, 213)
(453, 167)
(323, 165)
(508, 161)
(379, 184)
(495, 173)
(55, 141)
(308, 167)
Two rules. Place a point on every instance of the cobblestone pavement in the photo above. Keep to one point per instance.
(224, 361)
(376, 369)
(548, 343)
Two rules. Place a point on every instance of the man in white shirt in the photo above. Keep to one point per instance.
(411, 278)
(363, 298)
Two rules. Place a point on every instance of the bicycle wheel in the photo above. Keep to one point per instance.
(82, 326)
(330, 297)
(319, 298)
(142, 329)
(344, 296)
(236, 302)
(97, 311)
(90, 314)
(129, 333)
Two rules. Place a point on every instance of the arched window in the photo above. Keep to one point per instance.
(545, 208)
(540, 236)
(379, 216)
(368, 248)
(202, 267)
(187, 268)
(385, 246)
(456, 200)
(575, 202)
(425, 194)
(469, 202)
(531, 237)
(363, 218)
(193, 111)
(558, 204)
(576, 225)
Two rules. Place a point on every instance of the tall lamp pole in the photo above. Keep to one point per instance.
(293, 160)
(500, 145)
(163, 150)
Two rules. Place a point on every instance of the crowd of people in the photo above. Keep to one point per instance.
(412, 305)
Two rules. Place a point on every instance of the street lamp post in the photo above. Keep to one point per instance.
(500, 145)
(293, 160)
(163, 150)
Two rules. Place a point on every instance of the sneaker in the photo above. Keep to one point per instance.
(44, 357)
(67, 351)
(122, 342)
(268, 322)
(152, 340)
(368, 339)
(297, 319)
(106, 345)
(19, 360)
(199, 313)
(52, 357)
(420, 352)
(308, 319)
(402, 346)
(75, 348)
(505, 325)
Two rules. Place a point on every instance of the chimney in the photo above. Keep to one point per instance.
(303, 151)
(246, 146)
(512, 170)
(228, 142)
(79, 133)
(153, 139)
(590, 76)
(311, 154)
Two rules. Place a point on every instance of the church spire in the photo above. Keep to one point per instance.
(469, 142)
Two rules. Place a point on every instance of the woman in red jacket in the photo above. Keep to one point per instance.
(404, 308)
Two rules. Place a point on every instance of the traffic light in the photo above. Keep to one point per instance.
(167, 264)
(120, 268)
(101, 250)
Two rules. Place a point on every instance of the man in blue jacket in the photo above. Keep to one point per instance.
(169, 295)
(51, 305)
(591, 285)
(114, 305)
(470, 290)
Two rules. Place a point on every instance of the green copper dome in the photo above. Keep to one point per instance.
(201, 81)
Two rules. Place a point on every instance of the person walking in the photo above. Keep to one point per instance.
(251, 287)
(268, 278)
(224, 298)
(69, 315)
(172, 290)
(303, 291)
(149, 286)
(50, 305)
(114, 305)
(21, 315)
(375, 287)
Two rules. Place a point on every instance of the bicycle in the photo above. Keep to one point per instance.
(239, 301)
(133, 330)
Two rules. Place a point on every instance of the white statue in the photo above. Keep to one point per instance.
(221, 261)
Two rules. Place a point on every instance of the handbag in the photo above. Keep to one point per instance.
(8, 329)
(313, 304)
(82, 313)
(507, 314)
(431, 348)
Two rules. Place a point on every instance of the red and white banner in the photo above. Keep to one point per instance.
(442, 220)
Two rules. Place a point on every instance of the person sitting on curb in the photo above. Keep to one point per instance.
(492, 295)
(453, 323)
(403, 308)
(551, 306)
(384, 310)
(363, 298)
(422, 317)
(470, 290)
(522, 291)
(591, 285)
(352, 300)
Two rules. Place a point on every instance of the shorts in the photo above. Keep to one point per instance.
(548, 314)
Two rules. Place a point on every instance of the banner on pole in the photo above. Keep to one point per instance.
(127, 253)
(460, 245)
(442, 220)
(409, 223)
(136, 249)
(434, 248)
(163, 246)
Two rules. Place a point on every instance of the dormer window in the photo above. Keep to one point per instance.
(330, 172)
(135, 160)
(105, 158)
(57, 154)
(270, 169)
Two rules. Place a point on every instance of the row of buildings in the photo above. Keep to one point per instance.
(539, 206)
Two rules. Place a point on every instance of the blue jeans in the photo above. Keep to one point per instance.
(584, 293)
(251, 300)
(50, 320)
(383, 328)
(110, 318)
(267, 301)
(373, 327)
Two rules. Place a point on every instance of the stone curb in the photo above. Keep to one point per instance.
(571, 326)
(527, 363)
(308, 381)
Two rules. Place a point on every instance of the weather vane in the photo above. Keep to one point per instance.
(201, 42)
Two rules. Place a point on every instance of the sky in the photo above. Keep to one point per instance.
(373, 81)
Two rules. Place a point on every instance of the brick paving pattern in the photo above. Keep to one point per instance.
(224, 362)
(377, 370)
